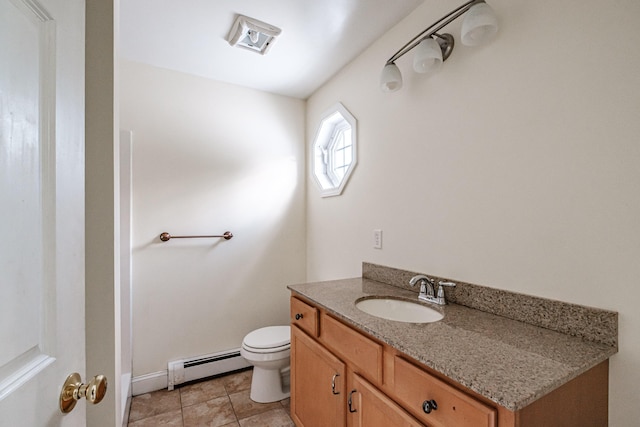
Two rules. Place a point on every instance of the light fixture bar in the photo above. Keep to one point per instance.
(431, 30)
(480, 24)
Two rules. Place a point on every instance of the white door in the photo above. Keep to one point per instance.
(41, 209)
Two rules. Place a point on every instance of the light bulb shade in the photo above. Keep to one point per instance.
(479, 25)
(390, 79)
(428, 56)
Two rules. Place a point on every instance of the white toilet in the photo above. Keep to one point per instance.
(268, 350)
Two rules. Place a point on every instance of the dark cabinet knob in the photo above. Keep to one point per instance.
(429, 405)
(299, 316)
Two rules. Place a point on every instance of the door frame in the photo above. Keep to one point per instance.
(102, 219)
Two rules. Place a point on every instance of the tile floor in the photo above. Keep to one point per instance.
(220, 402)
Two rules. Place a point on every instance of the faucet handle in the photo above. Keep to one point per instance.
(441, 297)
(444, 283)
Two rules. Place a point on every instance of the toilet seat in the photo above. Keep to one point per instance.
(266, 350)
(271, 339)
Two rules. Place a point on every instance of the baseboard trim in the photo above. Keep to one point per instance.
(149, 382)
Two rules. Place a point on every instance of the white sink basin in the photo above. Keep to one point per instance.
(398, 310)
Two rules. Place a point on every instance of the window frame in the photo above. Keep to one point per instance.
(334, 123)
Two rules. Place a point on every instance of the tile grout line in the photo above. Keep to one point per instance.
(235, 414)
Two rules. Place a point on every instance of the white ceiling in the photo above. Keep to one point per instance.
(318, 38)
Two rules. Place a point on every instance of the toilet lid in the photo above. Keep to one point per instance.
(269, 337)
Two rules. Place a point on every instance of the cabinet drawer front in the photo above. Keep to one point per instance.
(413, 387)
(304, 316)
(362, 354)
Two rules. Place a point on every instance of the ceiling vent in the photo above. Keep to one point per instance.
(251, 34)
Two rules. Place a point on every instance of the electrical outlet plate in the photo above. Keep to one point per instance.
(377, 239)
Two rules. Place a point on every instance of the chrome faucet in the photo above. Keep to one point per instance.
(426, 289)
(426, 286)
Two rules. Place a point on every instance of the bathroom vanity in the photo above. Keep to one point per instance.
(470, 369)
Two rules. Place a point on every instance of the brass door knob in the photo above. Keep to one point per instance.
(73, 390)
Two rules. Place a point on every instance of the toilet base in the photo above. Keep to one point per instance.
(268, 386)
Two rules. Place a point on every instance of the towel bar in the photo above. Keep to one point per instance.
(165, 237)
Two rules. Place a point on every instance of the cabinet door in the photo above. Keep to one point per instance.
(318, 381)
(368, 407)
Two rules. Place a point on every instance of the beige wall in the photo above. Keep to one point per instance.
(517, 167)
(210, 157)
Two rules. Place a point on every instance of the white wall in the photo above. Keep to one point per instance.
(517, 167)
(210, 157)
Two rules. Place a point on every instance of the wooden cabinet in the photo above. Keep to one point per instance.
(321, 370)
(337, 378)
(340, 377)
(318, 380)
(320, 398)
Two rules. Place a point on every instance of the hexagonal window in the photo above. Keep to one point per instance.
(334, 150)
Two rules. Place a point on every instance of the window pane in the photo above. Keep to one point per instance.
(341, 153)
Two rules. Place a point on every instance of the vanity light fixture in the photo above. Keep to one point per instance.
(253, 35)
(432, 49)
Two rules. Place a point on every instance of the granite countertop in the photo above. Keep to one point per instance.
(510, 362)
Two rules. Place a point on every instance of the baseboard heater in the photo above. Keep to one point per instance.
(185, 370)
